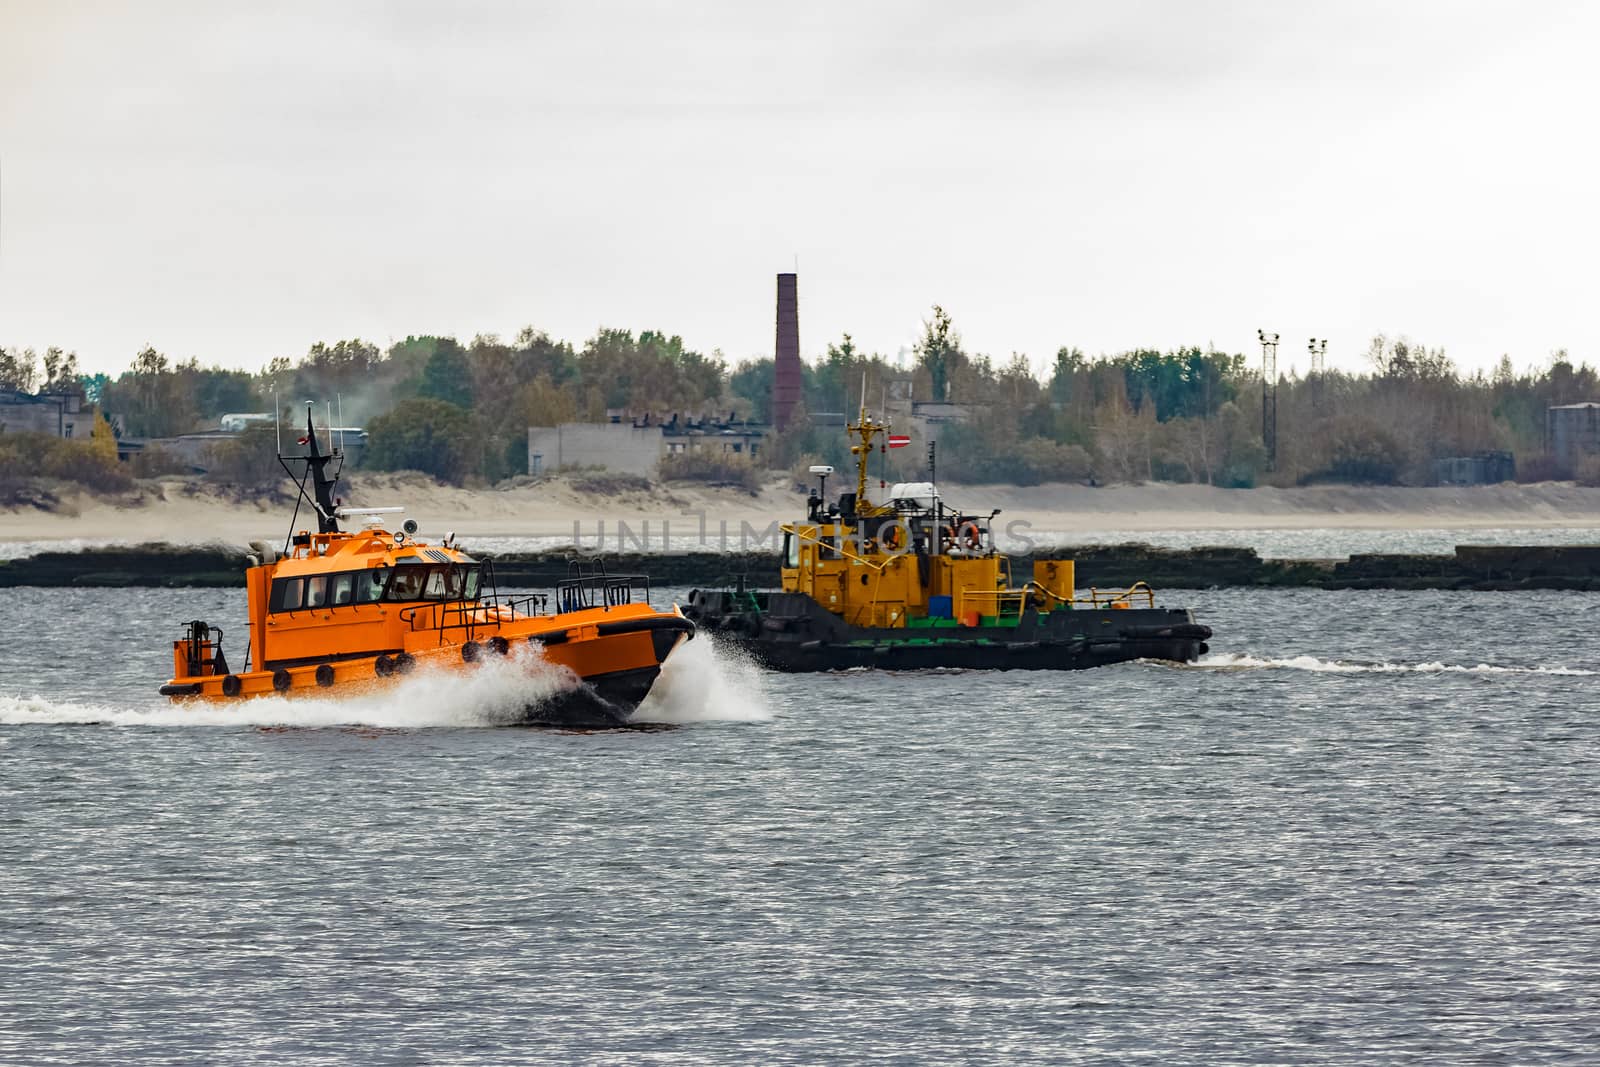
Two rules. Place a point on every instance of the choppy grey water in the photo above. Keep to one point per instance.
(1363, 831)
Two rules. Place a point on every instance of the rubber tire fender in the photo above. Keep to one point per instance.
(471, 651)
(231, 685)
(281, 680)
(750, 625)
(325, 675)
(383, 666)
(405, 663)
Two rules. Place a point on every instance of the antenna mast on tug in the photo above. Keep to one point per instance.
(321, 485)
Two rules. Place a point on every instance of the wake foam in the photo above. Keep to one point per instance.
(492, 694)
(1245, 662)
(698, 683)
(705, 682)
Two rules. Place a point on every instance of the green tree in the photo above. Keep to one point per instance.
(424, 434)
(153, 399)
(939, 353)
(447, 375)
(753, 382)
(61, 372)
(19, 370)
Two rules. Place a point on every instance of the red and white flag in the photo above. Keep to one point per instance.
(898, 440)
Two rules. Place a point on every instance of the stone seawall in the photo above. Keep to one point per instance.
(1482, 567)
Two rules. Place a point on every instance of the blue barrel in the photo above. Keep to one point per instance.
(941, 607)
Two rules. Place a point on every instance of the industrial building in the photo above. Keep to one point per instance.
(1572, 433)
(57, 414)
(1485, 468)
(633, 444)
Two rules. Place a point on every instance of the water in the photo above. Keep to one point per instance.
(1362, 831)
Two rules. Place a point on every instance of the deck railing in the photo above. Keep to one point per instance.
(1000, 603)
(1123, 598)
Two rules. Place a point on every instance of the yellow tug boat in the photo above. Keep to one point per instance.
(340, 612)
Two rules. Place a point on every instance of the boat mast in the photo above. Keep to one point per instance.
(321, 484)
(866, 429)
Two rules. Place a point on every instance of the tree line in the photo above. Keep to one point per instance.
(461, 411)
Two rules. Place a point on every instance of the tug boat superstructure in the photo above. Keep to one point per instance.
(914, 584)
(340, 612)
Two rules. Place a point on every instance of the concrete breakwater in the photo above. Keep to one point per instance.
(1480, 567)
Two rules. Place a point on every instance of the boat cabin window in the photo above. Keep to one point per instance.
(451, 582)
(407, 583)
(370, 586)
(286, 594)
(791, 550)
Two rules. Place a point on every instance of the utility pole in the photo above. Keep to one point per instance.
(1269, 395)
(1318, 350)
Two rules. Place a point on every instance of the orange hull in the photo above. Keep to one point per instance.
(341, 612)
(616, 651)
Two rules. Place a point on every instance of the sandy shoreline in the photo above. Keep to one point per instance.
(170, 511)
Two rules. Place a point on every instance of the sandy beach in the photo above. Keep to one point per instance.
(178, 511)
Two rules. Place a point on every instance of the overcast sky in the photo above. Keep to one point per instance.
(236, 181)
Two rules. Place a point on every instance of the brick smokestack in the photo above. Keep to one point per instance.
(786, 364)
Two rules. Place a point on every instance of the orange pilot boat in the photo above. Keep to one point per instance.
(341, 612)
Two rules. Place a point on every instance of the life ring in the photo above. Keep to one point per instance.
(324, 675)
(889, 535)
(281, 680)
(383, 666)
(973, 535)
(471, 651)
(231, 685)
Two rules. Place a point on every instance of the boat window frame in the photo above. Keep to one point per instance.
(281, 586)
(299, 585)
(364, 581)
(468, 582)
